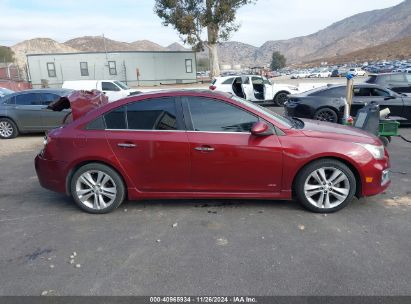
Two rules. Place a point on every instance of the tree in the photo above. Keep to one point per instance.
(6, 54)
(278, 61)
(191, 17)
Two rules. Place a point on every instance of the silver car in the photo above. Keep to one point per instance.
(27, 112)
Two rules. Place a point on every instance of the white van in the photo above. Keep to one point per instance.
(112, 88)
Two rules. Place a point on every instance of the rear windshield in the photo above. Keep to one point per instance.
(371, 79)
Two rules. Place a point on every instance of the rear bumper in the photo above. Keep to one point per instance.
(51, 174)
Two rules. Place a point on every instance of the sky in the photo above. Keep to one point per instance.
(131, 20)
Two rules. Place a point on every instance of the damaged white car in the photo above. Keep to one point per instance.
(254, 88)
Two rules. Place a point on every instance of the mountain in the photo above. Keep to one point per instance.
(177, 47)
(146, 45)
(97, 44)
(36, 46)
(400, 49)
(351, 34)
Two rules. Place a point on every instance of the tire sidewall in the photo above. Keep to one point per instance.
(307, 170)
(13, 125)
(329, 110)
(112, 173)
(276, 99)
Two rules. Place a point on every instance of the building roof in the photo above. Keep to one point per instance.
(111, 52)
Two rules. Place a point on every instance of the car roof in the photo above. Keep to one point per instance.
(60, 92)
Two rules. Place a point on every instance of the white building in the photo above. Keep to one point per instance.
(132, 67)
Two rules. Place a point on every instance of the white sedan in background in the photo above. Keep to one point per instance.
(320, 74)
(254, 88)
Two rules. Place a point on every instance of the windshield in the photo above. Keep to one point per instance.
(122, 85)
(277, 117)
(4, 92)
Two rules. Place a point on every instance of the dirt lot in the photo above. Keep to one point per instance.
(218, 247)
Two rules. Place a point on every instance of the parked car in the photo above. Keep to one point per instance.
(357, 72)
(320, 74)
(205, 144)
(112, 88)
(326, 103)
(300, 74)
(339, 73)
(4, 92)
(398, 82)
(29, 111)
(253, 88)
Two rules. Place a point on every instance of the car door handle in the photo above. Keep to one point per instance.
(126, 145)
(204, 149)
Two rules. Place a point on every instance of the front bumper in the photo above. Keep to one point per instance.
(51, 173)
(376, 177)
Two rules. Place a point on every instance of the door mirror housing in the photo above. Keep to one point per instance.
(261, 129)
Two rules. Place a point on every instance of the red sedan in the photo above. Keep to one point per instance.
(203, 144)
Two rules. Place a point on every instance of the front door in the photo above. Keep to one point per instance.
(225, 157)
(365, 95)
(28, 108)
(247, 88)
(148, 140)
(52, 119)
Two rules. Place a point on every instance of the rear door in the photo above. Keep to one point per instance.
(225, 157)
(247, 87)
(269, 91)
(151, 144)
(28, 108)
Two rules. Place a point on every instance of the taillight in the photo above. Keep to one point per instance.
(212, 88)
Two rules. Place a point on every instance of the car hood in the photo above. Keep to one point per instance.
(321, 129)
(80, 102)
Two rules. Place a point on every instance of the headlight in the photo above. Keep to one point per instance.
(376, 151)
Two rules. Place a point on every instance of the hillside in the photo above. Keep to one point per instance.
(399, 49)
(352, 34)
(38, 45)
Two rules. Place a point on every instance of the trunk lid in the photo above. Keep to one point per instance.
(80, 102)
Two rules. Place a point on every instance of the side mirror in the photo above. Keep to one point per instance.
(261, 129)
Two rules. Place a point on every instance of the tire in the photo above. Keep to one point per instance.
(313, 194)
(280, 98)
(385, 140)
(8, 128)
(97, 188)
(326, 114)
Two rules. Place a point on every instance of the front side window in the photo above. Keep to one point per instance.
(112, 69)
(379, 92)
(48, 98)
(189, 65)
(84, 68)
(109, 86)
(51, 69)
(218, 116)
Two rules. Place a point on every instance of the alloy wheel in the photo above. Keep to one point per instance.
(326, 115)
(6, 129)
(96, 189)
(326, 187)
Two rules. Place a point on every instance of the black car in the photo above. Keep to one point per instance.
(326, 103)
(27, 112)
(398, 82)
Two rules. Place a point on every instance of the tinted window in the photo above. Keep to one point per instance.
(109, 86)
(116, 119)
(332, 92)
(379, 92)
(371, 79)
(7, 100)
(48, 98)
(213, 115)
(362, 91)
(228, 81)
(397, 78)
(152, 114)
(28, 99)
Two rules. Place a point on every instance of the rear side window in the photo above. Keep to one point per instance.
(228, 81)
(116, 119)
(30, 99)
(332, 92)
(214, 115)
(397, 78)
(152, 114)
(109, 86)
